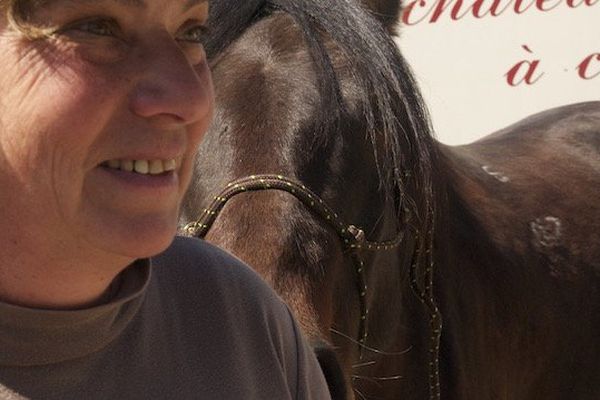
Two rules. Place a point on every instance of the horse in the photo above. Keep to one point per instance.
(416, 270)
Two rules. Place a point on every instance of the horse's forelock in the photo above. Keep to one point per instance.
(386, 11)
(396, 119)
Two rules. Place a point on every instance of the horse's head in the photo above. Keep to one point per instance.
(314, 91)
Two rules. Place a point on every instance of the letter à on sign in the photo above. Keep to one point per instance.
(524, 71)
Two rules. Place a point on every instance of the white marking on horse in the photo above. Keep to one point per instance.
(547, 231)
(547, 239)
(498, 175)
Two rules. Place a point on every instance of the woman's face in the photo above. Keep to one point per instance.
(99, 123)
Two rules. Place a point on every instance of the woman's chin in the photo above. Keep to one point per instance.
(148, 248)
(137, 238)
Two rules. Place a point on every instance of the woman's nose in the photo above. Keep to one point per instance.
(169, 87)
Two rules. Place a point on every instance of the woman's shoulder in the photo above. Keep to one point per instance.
(191, 255)
(195, 253)
(204, 290)
(219, 295)
(198, 266)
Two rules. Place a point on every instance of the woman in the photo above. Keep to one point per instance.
(103, 105)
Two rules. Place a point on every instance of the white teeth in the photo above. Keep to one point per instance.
(170, 165)
(127, 165)
(156, 167)
(141, 166)
(144, 167)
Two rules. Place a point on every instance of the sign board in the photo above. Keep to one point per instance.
(484, 64)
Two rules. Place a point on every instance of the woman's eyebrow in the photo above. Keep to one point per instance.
(192, 3)
(128, 3)
(142, 4)
(139, 3)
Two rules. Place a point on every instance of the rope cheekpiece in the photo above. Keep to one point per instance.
(353, 239)
(426, 295)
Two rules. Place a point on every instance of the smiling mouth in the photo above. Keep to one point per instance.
(143, 167)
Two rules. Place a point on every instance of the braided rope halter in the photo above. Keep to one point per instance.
(354, 241)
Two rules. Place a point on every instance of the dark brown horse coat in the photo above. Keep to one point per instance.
(518, 260)
(315, 91)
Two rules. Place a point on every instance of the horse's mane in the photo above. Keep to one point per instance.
(388, 97)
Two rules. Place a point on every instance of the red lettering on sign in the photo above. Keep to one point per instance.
(432, 11)
(543, 5)
(515, 76)
(584, 70)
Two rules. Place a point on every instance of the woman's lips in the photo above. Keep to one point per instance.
(156, 181)
(144, 167)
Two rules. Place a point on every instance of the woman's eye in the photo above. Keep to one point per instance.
(195, 34)
(99, 27)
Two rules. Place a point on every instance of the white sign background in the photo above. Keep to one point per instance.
(461, 65)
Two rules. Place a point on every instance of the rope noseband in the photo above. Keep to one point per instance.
(353, 240)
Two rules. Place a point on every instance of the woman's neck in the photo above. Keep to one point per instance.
(57, 280)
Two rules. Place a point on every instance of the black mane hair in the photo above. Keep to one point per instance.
(388, 97)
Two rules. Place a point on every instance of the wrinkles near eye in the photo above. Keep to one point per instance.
(98, 39)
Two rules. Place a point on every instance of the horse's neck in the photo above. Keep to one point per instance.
(503, 313)
(469, 278)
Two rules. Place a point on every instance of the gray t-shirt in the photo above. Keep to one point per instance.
(191, 323)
